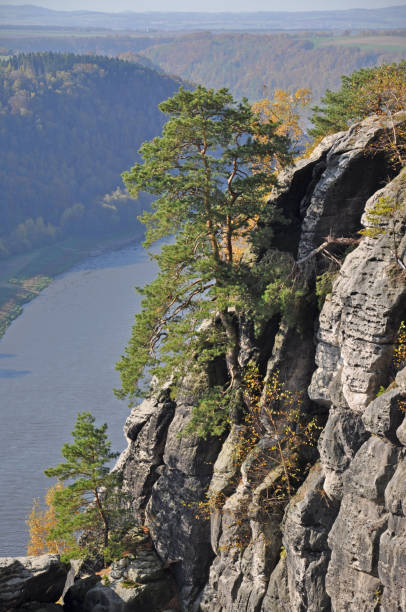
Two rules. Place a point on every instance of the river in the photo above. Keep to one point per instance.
(57, 359)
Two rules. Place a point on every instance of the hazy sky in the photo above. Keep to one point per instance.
(206, 5)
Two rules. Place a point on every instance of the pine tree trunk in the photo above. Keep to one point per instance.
(237, 407)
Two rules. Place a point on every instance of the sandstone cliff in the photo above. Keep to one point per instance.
(340, 542)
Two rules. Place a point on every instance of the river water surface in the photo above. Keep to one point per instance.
(57, 359)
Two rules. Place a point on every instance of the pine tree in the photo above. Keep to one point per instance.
(210, 171)
(85, 506)
(380, 90)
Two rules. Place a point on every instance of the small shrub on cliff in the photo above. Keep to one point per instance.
(210, 415)
(370, 91)
(275, 416)
(382, 219)
(324, 285)
(379, 216)
(399, 352)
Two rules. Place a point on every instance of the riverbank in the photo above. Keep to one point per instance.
(23, 277)
(57, 359)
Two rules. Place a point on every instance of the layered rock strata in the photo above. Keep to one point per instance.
(338, 544)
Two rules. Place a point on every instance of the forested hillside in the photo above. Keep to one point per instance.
(69, 125)
(246, 63)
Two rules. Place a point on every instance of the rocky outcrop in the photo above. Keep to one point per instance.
(360, 320)
(358, 327)
(31, 583)
(355, 169)
(168, 476)
(338, 545)
(136, 583)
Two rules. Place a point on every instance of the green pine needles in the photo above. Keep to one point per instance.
(89, 512)
(379, 90)
(210, 171)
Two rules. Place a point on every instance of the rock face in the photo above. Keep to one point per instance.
(30, 582)
(339, 543)
(168, 476)
(135, 583)
(357, 331)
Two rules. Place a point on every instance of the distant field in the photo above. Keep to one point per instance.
(368, 43)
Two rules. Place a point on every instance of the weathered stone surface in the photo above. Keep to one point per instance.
(371, 469)
(383, 415)
(353, 173)
(135, 583)
(102, 599)
(247, 541)
(295, 187)
(356, 534)
(308, 519)
(277, 595)
(146, 430)
(226, 468)
(153, 596)
(392, 546)
(171, 511)
(168, 475)
(358, 324)
(352, 573)
(74, 597)
(81, 568)
(392, 563)
(144, 568)
(338, 557)
(30, 579)
(341, 438)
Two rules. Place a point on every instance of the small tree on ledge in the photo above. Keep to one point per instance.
(87, 506)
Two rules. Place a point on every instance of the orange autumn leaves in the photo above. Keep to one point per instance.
(40, 523)
(286, 109)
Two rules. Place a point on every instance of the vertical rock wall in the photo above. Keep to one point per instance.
(361, 454)
(340, 542)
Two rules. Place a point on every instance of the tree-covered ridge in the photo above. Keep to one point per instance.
(69, 125)
(243, 62)
(246, 63)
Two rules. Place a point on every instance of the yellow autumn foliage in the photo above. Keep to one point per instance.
(285, 109)
(40, 523)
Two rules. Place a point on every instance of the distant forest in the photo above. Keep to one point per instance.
(251, 65)
(248, 64)
(69, 125)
